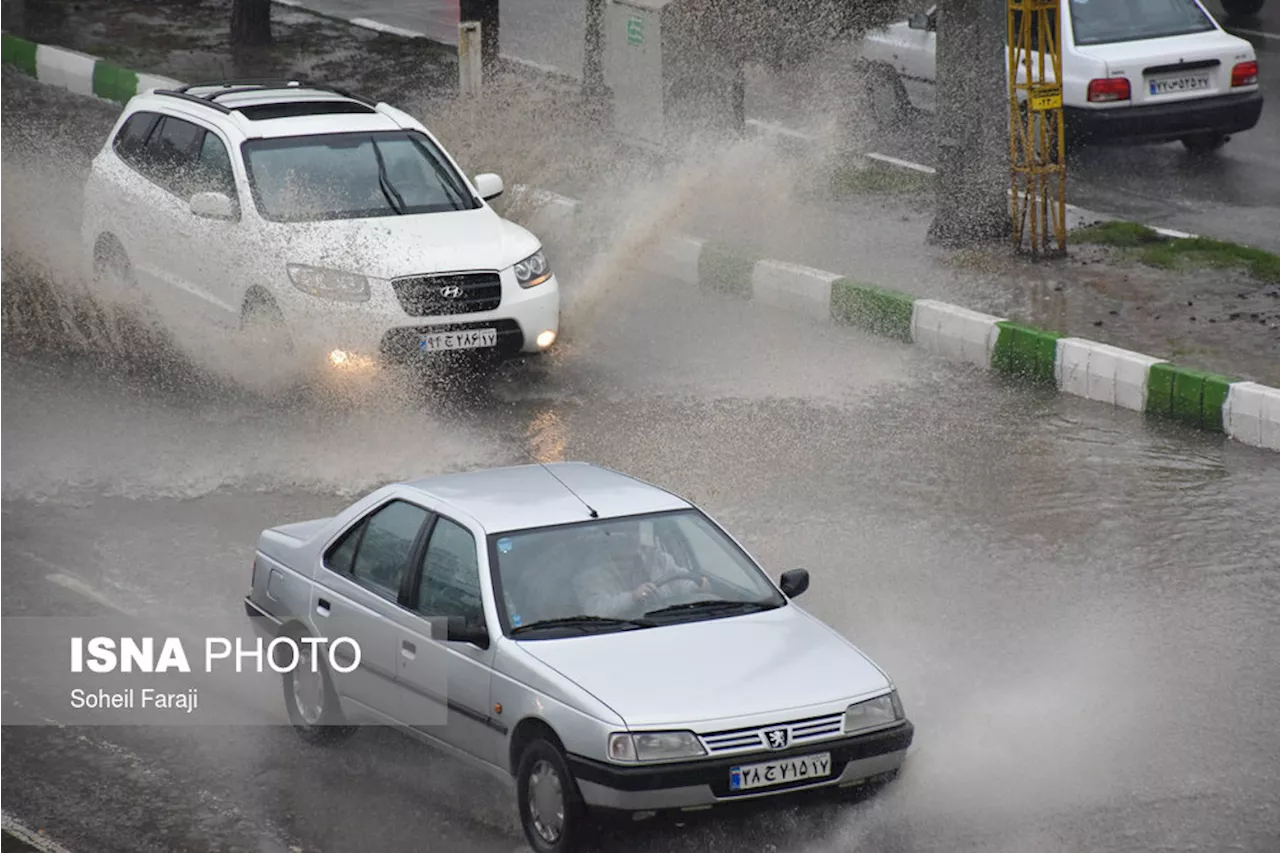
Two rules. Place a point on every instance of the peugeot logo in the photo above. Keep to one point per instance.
(777, 738)
(451, 291)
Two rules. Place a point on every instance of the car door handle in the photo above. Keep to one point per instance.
(408, 649)
(322, 607)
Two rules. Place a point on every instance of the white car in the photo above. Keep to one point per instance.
(320, 220)
(1134, 71)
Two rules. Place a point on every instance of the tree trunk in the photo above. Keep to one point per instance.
(593, 49)
(251, 23)
(486, 12)
(973, 123)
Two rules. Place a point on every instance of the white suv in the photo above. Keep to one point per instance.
(1134, 71)
(337, 226)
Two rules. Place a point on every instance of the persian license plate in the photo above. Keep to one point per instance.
(1171, 85)
(768, 773)
(470, 339)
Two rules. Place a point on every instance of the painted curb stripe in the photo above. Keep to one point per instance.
(1245, 411)
(19, 52)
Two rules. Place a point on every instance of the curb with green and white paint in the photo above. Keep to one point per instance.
(1245, 411)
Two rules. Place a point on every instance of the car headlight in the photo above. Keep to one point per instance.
(329, 284)
(654, 746)
(533, 270)
(873, 713)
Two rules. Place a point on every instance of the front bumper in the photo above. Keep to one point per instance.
(705, 782)
(380, 329)
(1225, 114)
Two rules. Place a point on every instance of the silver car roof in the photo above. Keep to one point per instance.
(525, 496)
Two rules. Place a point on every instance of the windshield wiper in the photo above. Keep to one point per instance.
(384, 183)
(713, 606)
(582, 621)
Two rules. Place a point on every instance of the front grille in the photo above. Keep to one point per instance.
(798, 733)
(403, 342)
(452, 293)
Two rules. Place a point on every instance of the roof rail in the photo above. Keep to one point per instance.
(174, 93)
(229, 87)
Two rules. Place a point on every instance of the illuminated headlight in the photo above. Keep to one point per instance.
(329, 284)
(533, 270)
(654, 746)
(873, 714)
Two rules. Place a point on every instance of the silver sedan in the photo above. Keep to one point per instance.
(594, 641)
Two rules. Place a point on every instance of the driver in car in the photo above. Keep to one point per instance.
(630, 573)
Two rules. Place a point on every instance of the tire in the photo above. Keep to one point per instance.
(312, 703)
(262, 326)
(1242, 8)
(118, 300)
(542, 774)
(1206, 144)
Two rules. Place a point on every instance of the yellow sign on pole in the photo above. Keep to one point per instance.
(1037, 136)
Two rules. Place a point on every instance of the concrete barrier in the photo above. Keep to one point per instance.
(876, 309)
(1251, 414)
(793, 287)
(1194, 397)
(954, 332)
(1103, 373)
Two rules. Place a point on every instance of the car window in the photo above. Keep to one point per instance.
(376, 551)
(173, 148)
(214, 173)
(597, 569)
(450, 583)
(130, 143)
(1096, 22)
(352, 176)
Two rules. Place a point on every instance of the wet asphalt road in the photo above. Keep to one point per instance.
(1234, 195)
(1082, 610)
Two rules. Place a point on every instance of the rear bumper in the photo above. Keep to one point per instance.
(706, 782)
(1225, 114)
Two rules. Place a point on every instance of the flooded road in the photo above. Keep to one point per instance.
(1081, 609)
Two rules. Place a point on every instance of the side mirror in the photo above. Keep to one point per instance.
(489, 186)
(919, 21)
(794, 582)
(213, 206)
(458, 630)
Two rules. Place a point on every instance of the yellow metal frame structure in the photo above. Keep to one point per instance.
(1037, 156)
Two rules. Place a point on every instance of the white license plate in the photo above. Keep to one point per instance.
(470, 339)
(1169, 85)
(769, 773)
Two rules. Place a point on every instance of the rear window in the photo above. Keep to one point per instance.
(1110, 21)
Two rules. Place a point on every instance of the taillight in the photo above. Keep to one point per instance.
(1245, 74)
(1109, 89)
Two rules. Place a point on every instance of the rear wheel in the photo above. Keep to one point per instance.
(1207, 143)
(552, 813)
(887, 100)
(117, 299)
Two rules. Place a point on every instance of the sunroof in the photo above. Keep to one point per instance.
(262, 112)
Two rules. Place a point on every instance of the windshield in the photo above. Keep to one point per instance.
(1107, 21)
(352, 176)
(625, 573)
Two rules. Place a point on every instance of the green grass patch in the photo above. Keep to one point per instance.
(1026, 352)
(879, 311)
(19, 52)
(1194, 397)
(724, 270)
(858, 178)
(1180, 252)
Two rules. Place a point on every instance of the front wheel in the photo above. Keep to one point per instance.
(1204, 144)
(552, 813)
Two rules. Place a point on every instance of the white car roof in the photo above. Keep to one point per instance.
(527, 496)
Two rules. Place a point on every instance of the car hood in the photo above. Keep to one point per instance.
(714, 669)
(390, 246)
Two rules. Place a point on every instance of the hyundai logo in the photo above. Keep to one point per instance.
(777, 738)
(451, 291)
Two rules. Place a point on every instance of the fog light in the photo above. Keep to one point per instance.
(338, 357)
(546, 339)
(344, 360)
